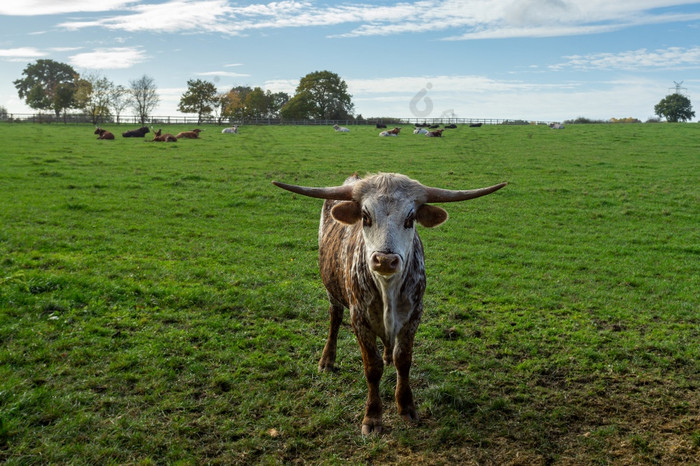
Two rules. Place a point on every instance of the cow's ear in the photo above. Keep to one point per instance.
(431, 216)
(347, 212)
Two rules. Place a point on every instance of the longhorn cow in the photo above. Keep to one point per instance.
(371, 262)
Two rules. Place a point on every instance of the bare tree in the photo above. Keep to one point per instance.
(119, 100)
(93, 96)
(144, 97)
(219, 107)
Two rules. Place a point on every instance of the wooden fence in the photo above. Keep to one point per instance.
(186, 120)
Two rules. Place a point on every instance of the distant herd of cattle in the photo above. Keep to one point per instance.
(420, 128)
(158, 136)
(424, 129)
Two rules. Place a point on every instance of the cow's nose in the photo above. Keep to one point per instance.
(385, 264)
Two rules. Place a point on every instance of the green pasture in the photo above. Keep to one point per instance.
(160, 302)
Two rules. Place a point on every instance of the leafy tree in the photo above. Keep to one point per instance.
(3, 113)
(297, 108)
(244, 102)
(277, 101)
(36, 98)
(625, 120)
(63, 98)
(675, 108)
(242, 91)
(235, 102)
(200, 98)
(321, 95)
(231, 104)
(47, 85)
(257, 103)
(144, 97)
(83, 91)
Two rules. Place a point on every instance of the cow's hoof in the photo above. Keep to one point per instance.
(411, 417)
(368, 429)
(326, 366)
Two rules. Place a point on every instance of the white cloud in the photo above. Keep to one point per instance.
(281, 85)
(435, 86)
(112, 58)
(64, 49)
(535, 31)
(495, 19)
(171, 93)
(482, 97)
(464, 19)
(54, 7)
(672, 57)
(478, 19)
(437, 96)
(173, 16)
(21, 53)
(222, 74)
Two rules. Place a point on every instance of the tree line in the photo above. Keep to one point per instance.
(50, 85)
(321, 95)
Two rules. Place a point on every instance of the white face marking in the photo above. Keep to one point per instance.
(389, 227)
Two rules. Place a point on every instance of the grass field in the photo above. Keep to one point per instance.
(160, 303)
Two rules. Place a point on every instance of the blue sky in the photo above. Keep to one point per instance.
(527, 59)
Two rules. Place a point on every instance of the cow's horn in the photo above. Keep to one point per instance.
(340, 193)
(447, 195)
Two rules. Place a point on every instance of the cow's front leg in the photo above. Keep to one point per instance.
(374, 367)
(327, 361)
(403, 355)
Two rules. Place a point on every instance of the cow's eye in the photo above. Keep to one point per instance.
(366, 220)
(409, 221)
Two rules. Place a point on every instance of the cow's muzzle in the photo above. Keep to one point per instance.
(385, 264)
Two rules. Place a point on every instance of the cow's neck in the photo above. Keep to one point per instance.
(394, 314)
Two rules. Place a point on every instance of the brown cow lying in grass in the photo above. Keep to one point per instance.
(103, 134)
(435, 134)
(391, 132)
(194, 134)
(167, 137)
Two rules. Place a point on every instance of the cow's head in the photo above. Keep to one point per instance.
(388, 205)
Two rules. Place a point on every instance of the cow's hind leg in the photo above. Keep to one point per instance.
(327, 361)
